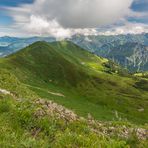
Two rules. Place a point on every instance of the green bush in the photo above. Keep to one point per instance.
(5, 106)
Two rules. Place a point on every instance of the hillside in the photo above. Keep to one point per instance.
(60, 95)
(86, 83)
(133, 56)
(33, 122)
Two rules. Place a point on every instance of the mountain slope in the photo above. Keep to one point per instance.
(129, 51)
(32, 122)
(88, 83)
(133, 56)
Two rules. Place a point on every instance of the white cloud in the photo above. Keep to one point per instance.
(10, 31)
(63, 18)
(127, 28)
(79, 13)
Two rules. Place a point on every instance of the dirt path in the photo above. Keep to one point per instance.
(49, 91)
(56, 94)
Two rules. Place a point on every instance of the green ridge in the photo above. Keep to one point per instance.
(90, 84)
(72, 77)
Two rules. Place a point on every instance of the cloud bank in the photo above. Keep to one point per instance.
(127, 28)
(81, 13)
(64, 18)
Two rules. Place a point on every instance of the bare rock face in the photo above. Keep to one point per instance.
(139, 58)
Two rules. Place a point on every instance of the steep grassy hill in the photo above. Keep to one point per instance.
(32, 122)
(79, 80)
(33, 79)
(27, 121)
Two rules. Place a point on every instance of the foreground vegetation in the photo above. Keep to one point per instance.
(109, 106)
(40, 123)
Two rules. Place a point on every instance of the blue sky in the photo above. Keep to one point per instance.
(141, 5)
(9, 19)
(5, 19)
(13, 2)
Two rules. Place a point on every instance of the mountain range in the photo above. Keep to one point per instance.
(130, 51)
(10, 45)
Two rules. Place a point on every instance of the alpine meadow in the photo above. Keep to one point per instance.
(73, 74)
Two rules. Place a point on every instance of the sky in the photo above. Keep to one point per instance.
(64, 18)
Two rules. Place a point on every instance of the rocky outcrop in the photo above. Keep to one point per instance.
(51, 109)
(46, 107)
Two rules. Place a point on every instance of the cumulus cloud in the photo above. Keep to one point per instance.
(67, 17)
(40, 26)
(82, 13)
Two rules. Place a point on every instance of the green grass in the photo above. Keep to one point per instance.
(90, 84)
(20, 127)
